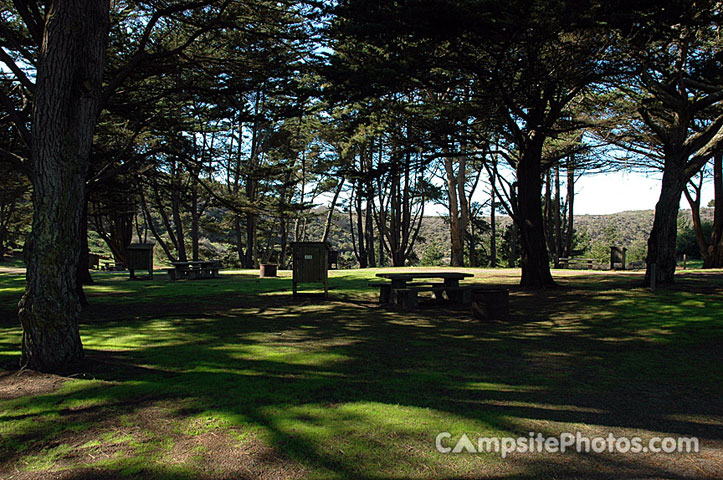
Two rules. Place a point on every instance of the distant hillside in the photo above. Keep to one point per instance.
(630, 226)
(595, 232)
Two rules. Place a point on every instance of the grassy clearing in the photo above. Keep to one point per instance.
(232, 378)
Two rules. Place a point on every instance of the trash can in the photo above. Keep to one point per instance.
(311, 264)
(140, 257)
(617, 257)
(268, 270)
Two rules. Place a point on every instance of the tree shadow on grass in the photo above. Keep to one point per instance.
(318, 379)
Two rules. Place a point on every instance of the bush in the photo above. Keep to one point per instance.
(687, 244)
(432, 255)
(600, 251)
(637, 251)
(347, 260)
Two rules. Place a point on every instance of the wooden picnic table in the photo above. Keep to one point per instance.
(194, 269)
(573, 262)
(403, 288)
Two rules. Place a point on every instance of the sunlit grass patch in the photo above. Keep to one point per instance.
(216, 377)
(46, 459)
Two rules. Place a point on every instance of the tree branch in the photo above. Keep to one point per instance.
(33, 20)
(142, 56)
(15, 117)
(19, 74)
(15, 160)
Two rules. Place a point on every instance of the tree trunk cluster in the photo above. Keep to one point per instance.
(711, 249)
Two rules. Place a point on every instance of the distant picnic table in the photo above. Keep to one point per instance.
(403, 288)
(583, 263)
(194, 269)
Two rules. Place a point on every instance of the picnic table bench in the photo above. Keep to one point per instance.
(385, 288)
(194, 269)
(110, 266)
(403, 290)
(408, 297)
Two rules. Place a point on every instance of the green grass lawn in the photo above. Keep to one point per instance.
(233, 378)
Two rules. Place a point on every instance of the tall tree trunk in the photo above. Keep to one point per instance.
(694, 202)
(557, 219)
(548, 213)
(472, 246)
(195, 235)
(154, 230)
(455, 236)
(513, 253)
(382, 257)
(239, 237)
(332, 209)
(716, 239)
(116, 229)
(661, 244)
(493, 224)
(363, 256)
(535, 262)
(252, 244)
(369, 221)
(395, 227)
(178, 224)
(286, 192)
(369, 213)
(8, 203)
(569, 230)
(271, 239)
(67, 104)
(463, 204)
(3, 246)
(284, 241)
(83, 271)
(84, 277)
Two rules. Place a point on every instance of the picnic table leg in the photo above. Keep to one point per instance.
(453, 283)
(412, 302)
(466, 295)
(397, 284)
(385, 293)
(408, 300)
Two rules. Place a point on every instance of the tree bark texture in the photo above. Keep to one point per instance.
(67, 103)
(493, 224)
(332, 209)
(535, 261)
(661, 244)
(711, 249)
(694, 202)
(715, 250)
(557, 219)
(456, 237)
(570, 209)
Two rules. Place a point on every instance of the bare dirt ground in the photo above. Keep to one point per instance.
(19, 384)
